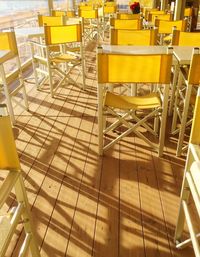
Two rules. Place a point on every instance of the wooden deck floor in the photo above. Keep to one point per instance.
(123, 204)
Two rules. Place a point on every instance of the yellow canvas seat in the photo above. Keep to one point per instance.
(126, 24)
(190, 192)
(133, 37)
(132, 112)
(62, 36)
(8, 42)
(90, 23)
(20, 214)
(183, 106)
(165, 28)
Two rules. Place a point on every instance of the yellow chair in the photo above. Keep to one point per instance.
(132, 111)
(166, 28)
(128, 16)
(126, 24)
(20, 214)
(51, 20)
(133, 37)
(8, 42)
(90, 23)
(62, 36)
(190, 185)
(184, 101)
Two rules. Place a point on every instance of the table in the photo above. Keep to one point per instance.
(183, 54)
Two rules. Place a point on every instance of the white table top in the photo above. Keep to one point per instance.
(30, 32)
(4, 55)
(134, 49)
(183, 54)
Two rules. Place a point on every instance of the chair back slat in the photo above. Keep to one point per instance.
(109, 9)
(8, 42)
(124, 68)
(165, 27)
(58, 13)
(126, 24)
(186, 38)
(194, 73)
(62, 34)
(88, 14)
(133, 37)
(128, 16)
(50, 20)
(8, 154)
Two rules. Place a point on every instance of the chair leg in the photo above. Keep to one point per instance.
(50, 73)
(163, 120)
(7, 95)
(175, 115)
(83, 66)
(100, 118)
(184, 120)
(174, 88)
(22, 83)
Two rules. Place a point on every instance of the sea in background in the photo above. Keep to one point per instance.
(9, 7)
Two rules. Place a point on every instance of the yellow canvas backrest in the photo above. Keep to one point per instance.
(134, 37)
(110, 4)
(128, 16)
(62, 34)
(126, 24)
(127, 68)
(58, 13)
(163, 17)
(188, 12)
(186, 38)
(71, 14)
(88, 14)
(8, 154)
(86, 7)
(50, 20)
(110, 9)
(194, 72)
(165, 27)
(8, 42)
(152, 13)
